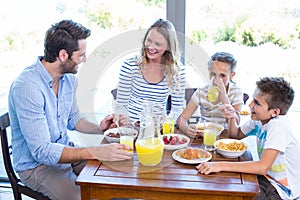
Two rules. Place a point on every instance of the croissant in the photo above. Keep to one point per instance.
(192, 153)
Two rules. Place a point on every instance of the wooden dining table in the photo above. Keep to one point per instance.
(169, 180)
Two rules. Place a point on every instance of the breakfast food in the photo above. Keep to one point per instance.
(115, 135)
(232, 146)
(174, 140)
(200, 129)
(192, 153)
(244, 112)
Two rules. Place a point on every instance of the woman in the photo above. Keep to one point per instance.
(154, 74)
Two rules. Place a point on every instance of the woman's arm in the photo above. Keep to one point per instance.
(125, 82)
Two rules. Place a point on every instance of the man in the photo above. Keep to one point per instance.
(42, 106)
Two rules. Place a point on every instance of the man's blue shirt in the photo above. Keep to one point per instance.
(40, 119)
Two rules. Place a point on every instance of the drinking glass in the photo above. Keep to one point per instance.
(212, 92)
(127, 134)
(209, 136)
(169, 124)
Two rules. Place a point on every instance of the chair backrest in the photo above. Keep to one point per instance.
(114, 93)
(188, 94)
(16, 184)
(245, 97)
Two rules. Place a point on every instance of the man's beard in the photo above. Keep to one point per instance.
(69, 67)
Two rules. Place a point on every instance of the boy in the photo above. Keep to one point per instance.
(277, 144)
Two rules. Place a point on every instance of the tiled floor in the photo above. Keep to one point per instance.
(7, 194)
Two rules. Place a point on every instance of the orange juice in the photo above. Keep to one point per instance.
(127, 140)
(210, 137)
(149, 151)
(168, 126)
(212, 94)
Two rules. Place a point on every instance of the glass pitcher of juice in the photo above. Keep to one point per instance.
(149, 144)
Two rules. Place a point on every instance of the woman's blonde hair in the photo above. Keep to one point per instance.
(170, 58)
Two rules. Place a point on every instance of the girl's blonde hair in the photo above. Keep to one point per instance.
(170, 58)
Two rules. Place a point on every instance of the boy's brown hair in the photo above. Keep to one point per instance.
(279, 93)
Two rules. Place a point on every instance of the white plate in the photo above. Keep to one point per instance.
(176, 146)
(186, 161)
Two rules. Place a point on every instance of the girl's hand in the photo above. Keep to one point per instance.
(228, 110)
(192, 131)
(222, 90)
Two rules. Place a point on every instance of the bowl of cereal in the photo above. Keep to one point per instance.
(230, 148)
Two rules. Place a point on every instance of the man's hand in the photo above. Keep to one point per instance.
(110, 152)
(107, 123)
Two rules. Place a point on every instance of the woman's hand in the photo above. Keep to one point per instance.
(121, 119)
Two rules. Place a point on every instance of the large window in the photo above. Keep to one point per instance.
(264, 36)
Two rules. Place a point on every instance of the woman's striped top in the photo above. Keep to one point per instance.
(133, 90)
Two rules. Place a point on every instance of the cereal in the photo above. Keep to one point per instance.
(244, 112)
(232, 146)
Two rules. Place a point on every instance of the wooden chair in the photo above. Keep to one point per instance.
(114, 93)
(17, 186)
(188, 94)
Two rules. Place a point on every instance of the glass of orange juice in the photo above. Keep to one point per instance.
(127, 135)
(209, 136)
(212, 92)
(168, 126)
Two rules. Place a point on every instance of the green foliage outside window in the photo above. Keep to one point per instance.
(252, 35)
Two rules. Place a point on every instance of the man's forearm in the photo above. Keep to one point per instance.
(85, 126)
(71, 154)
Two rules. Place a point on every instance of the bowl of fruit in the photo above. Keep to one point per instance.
(113, 135)
(175, 141)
